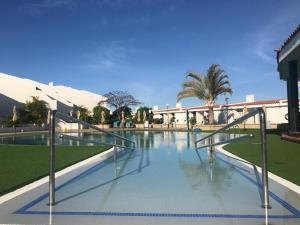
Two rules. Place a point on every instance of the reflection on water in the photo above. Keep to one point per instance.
(207, 171)
(143, 139)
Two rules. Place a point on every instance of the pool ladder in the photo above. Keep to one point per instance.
(58, 115)
(263, 143)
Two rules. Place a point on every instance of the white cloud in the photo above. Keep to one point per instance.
(108, 56)
(274, 33)
(233, 68)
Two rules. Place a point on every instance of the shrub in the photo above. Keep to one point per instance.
(34, 111)
(117, 114)
(158, 121)
(97, 111)
(172, 119)
(84, 114)
(193, 121)
(141, 110)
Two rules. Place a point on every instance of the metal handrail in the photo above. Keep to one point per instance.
(264, 155)
(227, 141)
(65, 116)
(60, 115)
(92, 141)
(237, 121)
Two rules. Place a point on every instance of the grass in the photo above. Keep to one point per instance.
(23, 164)
(283, 156)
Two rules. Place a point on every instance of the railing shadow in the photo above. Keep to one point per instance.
(114, 180)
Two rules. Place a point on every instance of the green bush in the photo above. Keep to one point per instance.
(117, 114)
(84, 114)
(97, 111)
(158, 121)
(141, 110)
(34, 111)
(193, 120)
(7, 122)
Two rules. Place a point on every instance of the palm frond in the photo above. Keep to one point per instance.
(188, 93)
(207, 88)
(196, 76)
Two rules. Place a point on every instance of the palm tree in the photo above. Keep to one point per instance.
(206, 87)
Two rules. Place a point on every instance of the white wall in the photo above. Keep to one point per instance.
(180, 118)
(275, 113)
(16, 91)
(64, 126)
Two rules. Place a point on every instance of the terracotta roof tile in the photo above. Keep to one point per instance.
(292, 35)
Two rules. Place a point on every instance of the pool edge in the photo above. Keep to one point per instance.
(288, 184)
(101, 156)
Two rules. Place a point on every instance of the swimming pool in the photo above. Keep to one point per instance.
(163, 181)
(42, 139)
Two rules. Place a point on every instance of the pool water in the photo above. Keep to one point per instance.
(43, 139)
(163, 181)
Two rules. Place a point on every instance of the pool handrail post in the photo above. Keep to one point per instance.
(115, 157)
(115, 150)
(264, 157)
(210, 141)
(52, 158)
(264, 163)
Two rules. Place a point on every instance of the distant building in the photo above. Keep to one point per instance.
(276, 112)
(16, 91)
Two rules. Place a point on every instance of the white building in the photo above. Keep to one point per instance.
(16, 91)
(276, 111)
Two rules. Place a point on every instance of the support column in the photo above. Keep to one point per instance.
(293, 97)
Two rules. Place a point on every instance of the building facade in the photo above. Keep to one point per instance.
(276, 113)
(15, 91)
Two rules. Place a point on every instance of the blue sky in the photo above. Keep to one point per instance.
(145, 47)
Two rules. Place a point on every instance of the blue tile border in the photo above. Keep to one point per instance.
(25, 209)
(141, 214)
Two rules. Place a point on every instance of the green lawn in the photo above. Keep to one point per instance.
(22, 164)
(283, 156)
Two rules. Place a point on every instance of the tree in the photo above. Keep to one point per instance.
(97, 112)
(117, 114)
(34, 111)
(118, 99)
(84, 113)
(206, 87)
(142, 110)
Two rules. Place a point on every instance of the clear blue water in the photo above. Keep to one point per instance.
(163, 178)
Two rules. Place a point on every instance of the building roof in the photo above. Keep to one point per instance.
(287, 41)
(288, 52)
(241, 104)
